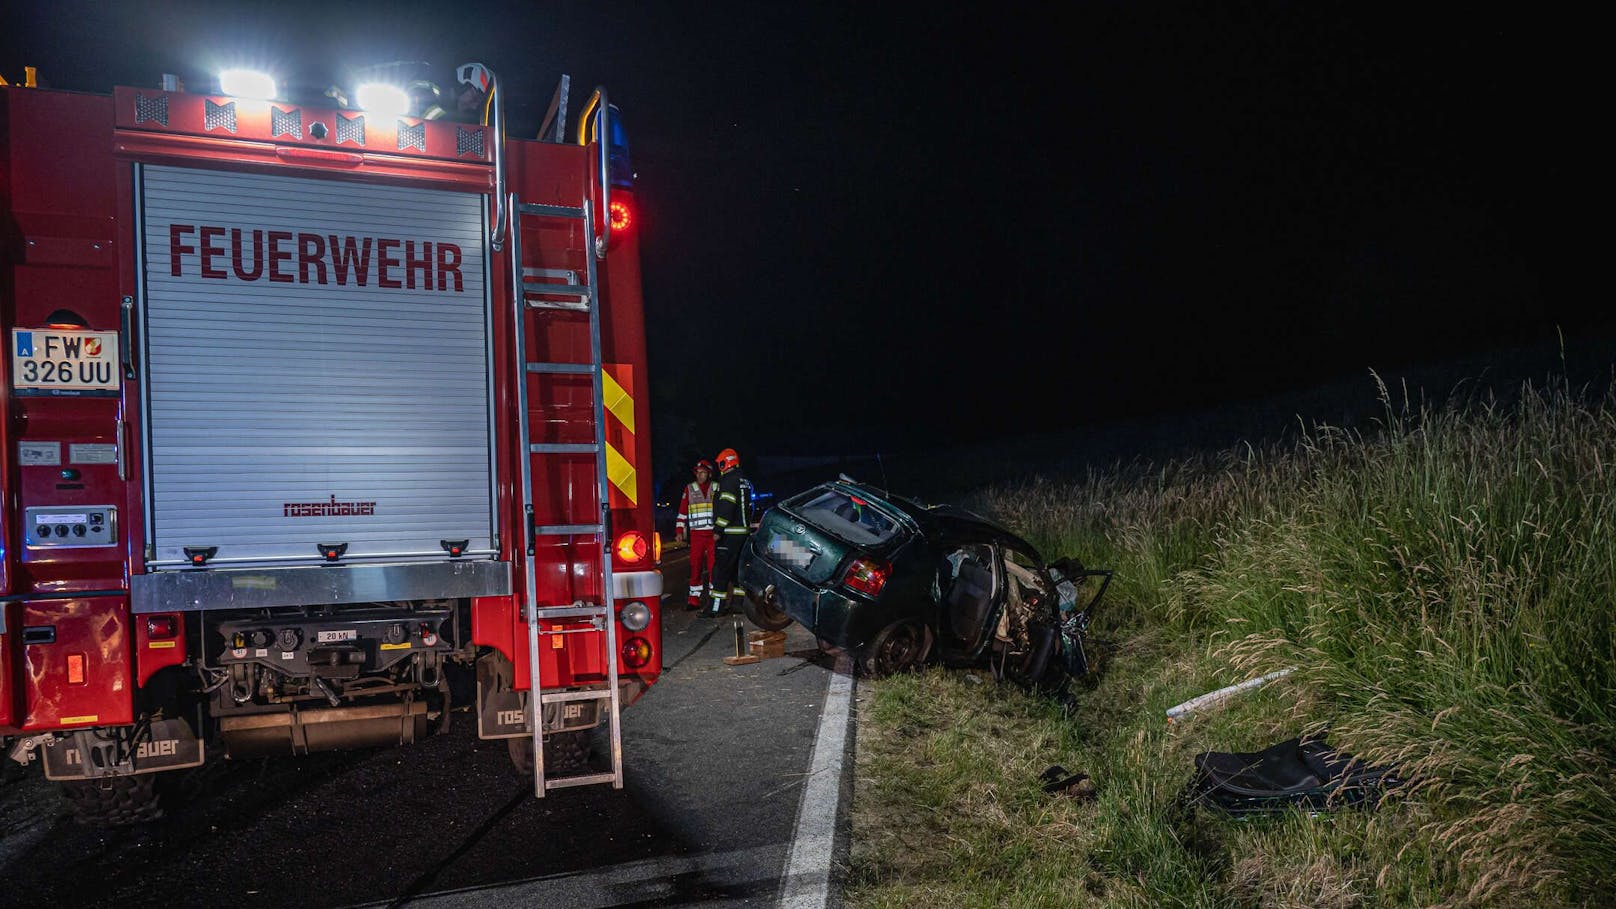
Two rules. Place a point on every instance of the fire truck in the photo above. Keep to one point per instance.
(319, 424)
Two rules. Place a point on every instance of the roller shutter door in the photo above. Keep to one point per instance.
(316, 368)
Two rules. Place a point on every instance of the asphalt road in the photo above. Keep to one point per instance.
(716, 758)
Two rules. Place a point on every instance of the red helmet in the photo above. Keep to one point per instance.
(704, 464)
(728, 459)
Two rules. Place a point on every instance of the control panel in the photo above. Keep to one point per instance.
(71, 525)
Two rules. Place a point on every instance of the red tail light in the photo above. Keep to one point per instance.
(161, 627)
(636, 652)
(75, 669)
(621, 216)
(867, 576)
(632, 548)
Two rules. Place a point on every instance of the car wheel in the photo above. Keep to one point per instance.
(763, 614)
(899, 647)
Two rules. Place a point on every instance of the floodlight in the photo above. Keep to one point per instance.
(383, 99)
(247, 83)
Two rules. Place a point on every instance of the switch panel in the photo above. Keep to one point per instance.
(70, 525)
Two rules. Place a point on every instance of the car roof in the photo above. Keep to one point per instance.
(946, 518)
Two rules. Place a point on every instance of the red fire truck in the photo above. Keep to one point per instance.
(317, 423)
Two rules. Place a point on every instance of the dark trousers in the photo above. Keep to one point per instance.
(726, 560)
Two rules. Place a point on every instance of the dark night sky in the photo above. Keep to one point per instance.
(909, 227)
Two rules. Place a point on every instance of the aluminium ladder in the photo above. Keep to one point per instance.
(603, 615)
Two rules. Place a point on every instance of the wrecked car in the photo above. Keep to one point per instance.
(896, 583)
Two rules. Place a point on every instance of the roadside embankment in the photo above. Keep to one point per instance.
(1445, 586)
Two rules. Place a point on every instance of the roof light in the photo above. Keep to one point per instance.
(383, 99)
(247, 83)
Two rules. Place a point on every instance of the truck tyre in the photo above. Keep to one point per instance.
(764, 615)
(114, 802)
(564, 752)
(899, 647)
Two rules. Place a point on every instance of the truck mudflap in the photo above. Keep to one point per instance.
(504, 715)
(91, 754)
(502, 712)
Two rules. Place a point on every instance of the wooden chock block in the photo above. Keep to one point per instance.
(767, 644)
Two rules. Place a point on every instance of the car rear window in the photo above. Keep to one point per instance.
(847, 516)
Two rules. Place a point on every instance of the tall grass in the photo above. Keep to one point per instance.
(1445, 587)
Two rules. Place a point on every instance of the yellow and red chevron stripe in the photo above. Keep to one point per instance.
(617, 392)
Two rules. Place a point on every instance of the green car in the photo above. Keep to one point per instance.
(896, 583)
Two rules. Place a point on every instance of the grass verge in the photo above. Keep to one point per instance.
(1445, 589)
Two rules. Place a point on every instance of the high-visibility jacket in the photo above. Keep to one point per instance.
(732, 512)
(696, 506)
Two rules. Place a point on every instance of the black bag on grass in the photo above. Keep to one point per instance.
(1301, 773)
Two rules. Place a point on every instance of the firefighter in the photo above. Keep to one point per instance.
(470, 95)
(731, 522)
(696, 520)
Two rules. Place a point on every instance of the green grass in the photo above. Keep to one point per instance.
(1444, 586)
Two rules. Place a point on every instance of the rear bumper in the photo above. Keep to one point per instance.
(316, 585)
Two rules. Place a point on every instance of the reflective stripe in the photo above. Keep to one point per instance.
(723, 522)
(727, 495)
(735, 530)
(739, 591)
(720, 595)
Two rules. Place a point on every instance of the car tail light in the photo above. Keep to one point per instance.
(867, 576)
(161, 627)
(632, 548)
(75, 669)
(636, 652)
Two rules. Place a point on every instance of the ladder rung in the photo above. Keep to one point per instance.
(541, 287)
(560, 696)
(556, 448)
(567, 530)
(551, 211)
(565, 369)
(570, 612)
(586, 779)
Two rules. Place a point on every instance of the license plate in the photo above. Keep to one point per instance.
(333, 637)
(52, 362)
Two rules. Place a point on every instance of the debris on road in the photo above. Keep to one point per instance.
(1300, 773)
(1058, 780)
(1215, 698)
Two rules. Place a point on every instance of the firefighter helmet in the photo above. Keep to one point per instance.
(474, 74)
(704, 464)
(728, 459)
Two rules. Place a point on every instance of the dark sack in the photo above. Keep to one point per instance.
(1300, 773)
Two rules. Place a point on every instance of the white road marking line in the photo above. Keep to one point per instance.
(806, 884)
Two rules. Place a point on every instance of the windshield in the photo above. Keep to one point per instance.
(847, 516)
